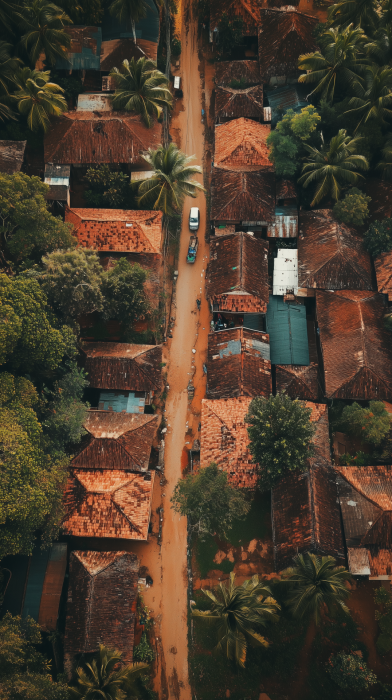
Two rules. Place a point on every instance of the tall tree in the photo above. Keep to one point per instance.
(125, 10)
(106, 678)
(43, 25)
(314, 583)
(363, 13)
(124, 293)
(333, 166)
(286, 142)
(237, 614)
(142, 89)
(172, 180)
(38, 99)
(373, 100)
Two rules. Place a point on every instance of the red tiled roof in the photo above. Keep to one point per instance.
(380, 561)
(242, 196)
(113, 230)
(283, 37)
(374, 483)
(101, 607)
(320, 440)
(356, 348)
(83, 138)
(285, 189)
(224, 439)
(226, 71)
(298, 381)
(237, 364)
(123, 366)
(247, 10)
(383, 265)
(241, 144)
(232, 103)
(108, 504)
(330, 254)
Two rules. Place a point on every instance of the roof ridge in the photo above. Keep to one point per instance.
(118, 507)
(360, 490)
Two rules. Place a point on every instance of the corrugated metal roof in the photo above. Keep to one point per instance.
(286, 326)
(94, 102)
(281, 99)
(254, 322)
(121, 401)
(53, 171)
(285, 224)
(285, 279)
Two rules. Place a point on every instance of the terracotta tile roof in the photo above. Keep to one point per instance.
(108, 504)
(241, 144)
(226, 71)
(238, 264)
(331, 254)
(116, 441)
(224, 439)
(305, 516)
(231, 104)
(380, 191)
(374, 483)
(242, 196)
(298, 381)
(285, 189)
(114, 52)
(321, 444)
(247, 10)
(283, 37)
(383, 265)
(11, 156)
(114, 230)
(101, 606)
(380, 561)
(238, 364)
(356, 349)
(82, 138)
(123, 366)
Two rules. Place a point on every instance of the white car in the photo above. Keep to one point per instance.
(194, 219)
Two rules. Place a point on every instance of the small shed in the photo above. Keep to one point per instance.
(58, 179)
(287, 329)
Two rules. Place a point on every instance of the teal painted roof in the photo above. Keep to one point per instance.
(254, 322)
(286, 325)
(147, 28)
(126, 401)
(86, 60)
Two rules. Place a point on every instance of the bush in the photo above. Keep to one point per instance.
(378, 239)
(143, 651)
(108, 188)
(287, 140)
(230, 32)
(175, 46)
(360, 459)
(353, 209)
(370, 424)
(350, 672)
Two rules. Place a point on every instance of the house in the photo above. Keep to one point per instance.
(241, 144)
(284, 35)
(355, 348)
(123, 366)
(232, 73)
(243, 200)
(12, 155)
(237, 274)
(101, 606)
(115, 440)
(285, 276)
(233, 103)
(247, 10)
(238, 364)
(365, 495)
(58, 177)
(117, 230)
(108, 503)
(286, 324)
(225, 441)
(383, 266)
(330, 255)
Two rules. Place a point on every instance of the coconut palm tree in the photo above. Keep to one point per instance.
(106, 679)
(332, 166)
(7, 15)
(314, 582)
(172, 180)
(385, 164)
(125, 10)
(141, 88)
(43, 25)
(237, 612)
(362, 13)
(8, 67)
(37, 98)
(374, 97)
(379, 49)
(341, 60)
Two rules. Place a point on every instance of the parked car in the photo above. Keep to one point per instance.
(194, 219)
(192, 249)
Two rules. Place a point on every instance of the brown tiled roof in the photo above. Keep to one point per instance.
(383, 265)
(124, 230)
(101, 607)
(305, 516)
(11, 156)
(231, 104)
(238, 263)
(298, 381)
(380, 206)
(123, 366)
(82, 37)
(238, 364)
(242, 196)
(226, 71)
(374, 483)
(320, 440)
(83, 138)
(224, 439)
(283, 37)
(380, 561)
(356, 348)
(285, 189)
(114, 52)
(116, 441)
(241, 144)
(331, 254)
(247, 10)
(108, 504)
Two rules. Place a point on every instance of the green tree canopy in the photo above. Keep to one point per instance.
(123, 290)
(141, 88)
(230, 30)
(90, 13)
(38, 99)
(280, 434)
(363, 13)
(43, 25)
(353, 208)
(287, 140)
(125, 10)
(107, 679)
(209, 502)
(373, 98)
(369, 424)
(350, 672)
(378, 238)
(108, 188)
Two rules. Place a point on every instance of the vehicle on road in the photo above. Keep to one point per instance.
(192, 249)
(194, 219)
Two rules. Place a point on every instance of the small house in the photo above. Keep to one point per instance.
(123, 367)
(242, 200)
(233, 103)
(233, 73)
(241, 144)
(247, 10)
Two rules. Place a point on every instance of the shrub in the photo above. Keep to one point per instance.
(175, 46)
(371, 424)
(108, 188)
(353, 209)
(350, 672)
(143, 651)
(378, 239)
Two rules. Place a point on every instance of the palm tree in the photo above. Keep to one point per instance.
(333, 166)
(385, 164)
(43, 25)
(141, 88)
(7, 15)
(125, 10)
(237, 612)
(37, 98)
(8, 67)
(362, 13)
(374, 97)
(105, 679)
(339, 61)
(172, 180)
(315, 582)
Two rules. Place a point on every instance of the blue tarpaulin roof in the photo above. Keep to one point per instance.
(286, 325)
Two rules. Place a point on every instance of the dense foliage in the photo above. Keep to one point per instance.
(142, 89)
(378, 238)
(383, 601)
(350, 672)
(288, 139)
(108, 188)
(105, 677)
(370, 424)
(353, 208)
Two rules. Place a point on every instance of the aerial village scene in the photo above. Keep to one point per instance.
(196, 350)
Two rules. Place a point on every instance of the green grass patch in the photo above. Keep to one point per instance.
(205, 553)
(257, 524)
